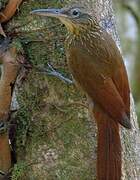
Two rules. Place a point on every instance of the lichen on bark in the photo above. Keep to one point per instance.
(55, 138)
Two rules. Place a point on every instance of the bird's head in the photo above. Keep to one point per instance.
(75, 18)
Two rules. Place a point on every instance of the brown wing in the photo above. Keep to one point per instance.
(120, 80)
(100, 87)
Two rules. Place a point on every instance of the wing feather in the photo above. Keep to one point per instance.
(99, 86)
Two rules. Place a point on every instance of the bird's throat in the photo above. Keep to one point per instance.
(71, 27)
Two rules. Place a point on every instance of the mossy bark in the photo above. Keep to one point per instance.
(55, 139)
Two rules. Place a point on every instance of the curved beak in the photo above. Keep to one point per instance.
(58, 13)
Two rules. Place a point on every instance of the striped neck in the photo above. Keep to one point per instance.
(93, 31)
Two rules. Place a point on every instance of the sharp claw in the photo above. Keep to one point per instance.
(53, 72)
(50, 66)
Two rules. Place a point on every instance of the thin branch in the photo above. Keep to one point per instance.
(8, 77)
(9, 10)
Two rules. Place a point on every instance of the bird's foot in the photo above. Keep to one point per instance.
(52, 72)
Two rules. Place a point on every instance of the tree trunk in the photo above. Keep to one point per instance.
(55, 138)
(130, 139)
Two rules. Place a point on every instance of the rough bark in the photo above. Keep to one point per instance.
(55, 138)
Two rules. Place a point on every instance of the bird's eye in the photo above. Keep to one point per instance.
(75, 12)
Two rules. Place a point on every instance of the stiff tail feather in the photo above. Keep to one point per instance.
(109, 148)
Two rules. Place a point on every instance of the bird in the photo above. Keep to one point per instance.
(97, 67)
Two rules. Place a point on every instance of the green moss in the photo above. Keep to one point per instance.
(17, 44)
(19, 171)
(29, 99)
(46, 120)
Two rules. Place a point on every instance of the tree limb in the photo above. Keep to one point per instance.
(8, 77)
(9, 10)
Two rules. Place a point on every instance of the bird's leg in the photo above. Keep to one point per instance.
(52, 72)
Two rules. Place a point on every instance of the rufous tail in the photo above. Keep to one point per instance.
(109, 158)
